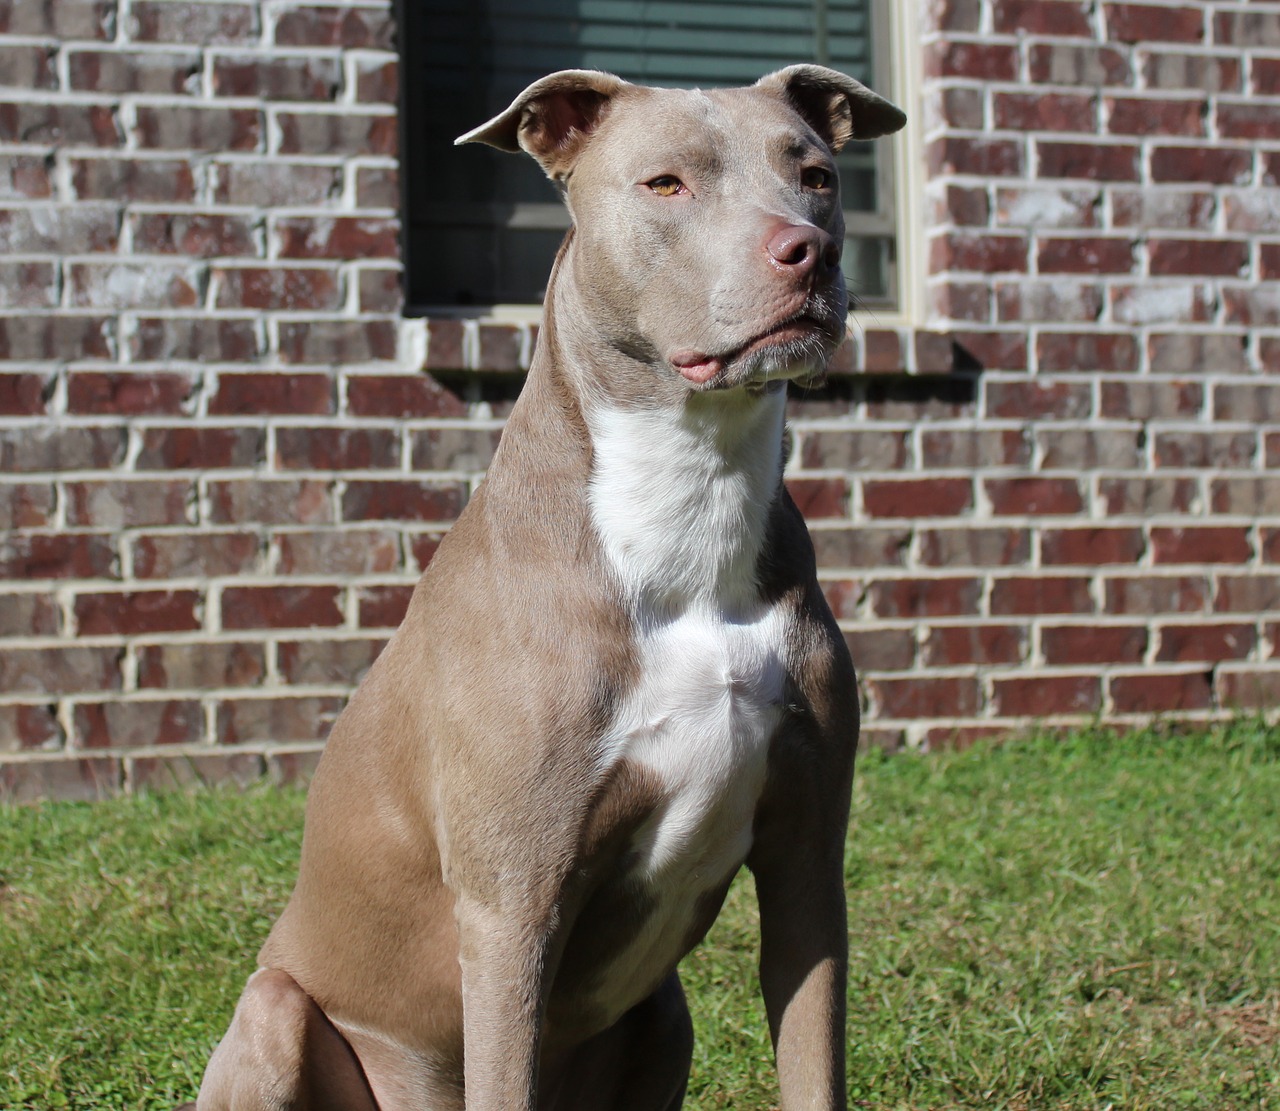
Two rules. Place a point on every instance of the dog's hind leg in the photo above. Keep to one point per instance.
(282, 1052)
(641, 1063)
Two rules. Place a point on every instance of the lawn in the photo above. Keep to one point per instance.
(1087, 922)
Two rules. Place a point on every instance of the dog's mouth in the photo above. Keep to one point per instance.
(798, 347)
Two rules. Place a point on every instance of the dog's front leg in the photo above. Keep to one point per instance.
(503, 955)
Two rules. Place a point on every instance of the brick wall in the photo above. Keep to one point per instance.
(223, 466)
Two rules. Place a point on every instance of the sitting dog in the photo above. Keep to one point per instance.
(618, 679)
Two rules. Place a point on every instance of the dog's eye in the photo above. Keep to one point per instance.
(815, 177)
(667, 185)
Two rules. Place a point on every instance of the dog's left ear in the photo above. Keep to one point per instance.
(552, 119)
(837, 107)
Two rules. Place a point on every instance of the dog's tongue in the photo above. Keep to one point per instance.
(696, 367)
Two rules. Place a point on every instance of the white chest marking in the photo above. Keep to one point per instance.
(681, 503)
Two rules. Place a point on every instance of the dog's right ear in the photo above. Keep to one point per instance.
(552, 119)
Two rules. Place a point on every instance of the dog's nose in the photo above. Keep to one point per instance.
(802, 249)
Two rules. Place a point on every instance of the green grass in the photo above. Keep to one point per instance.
(1082, 923)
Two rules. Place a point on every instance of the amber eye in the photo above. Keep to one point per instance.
(815, 177)
(666, 185)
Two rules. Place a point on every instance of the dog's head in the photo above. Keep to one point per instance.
(708, 227)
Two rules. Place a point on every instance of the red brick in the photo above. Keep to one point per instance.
(402, 500)
(423, 547)
(978, 448)
(1149, 22)
(960, 645)
(383, 607)
(1205, 643)
(126, 503)
(1150, 116)
(25, 176)
(201, 665)
(1161, 694)
(499, 346)
(1215, 257)
(1091, 546)
(964, 206)
(820, 497)
(1042, 17)
(1248, 120)
(197, 235)
(339, 552)
(1264, 76)
(1033, 495)
(983, 60)
(292, 394)
(1047, 695)
(271, 501)
(929, 697)
(142, 611)
(192, 447)
(1155, 594)
(276, 288)
(1093, 644)
(377, 81)
(1088, 351)
(1028, 595)
(1141, 496)
(1039, 400)
(351, 28)
(401, 395)
(1216, 165)
(305, 718)
(328, 662)
(984, 253)
(338, 237)
(137, 724)
(1085, 255)
(961, 738)
(974, 547)
(1091, 161)
(978, 156)
(280, 607)
(917, 497)
(1045, 112)
(925, 597)
(195, 554)
(380, 290)
(61, 555)
(292, 768)
(1224, 544)
(128, 393)
(1269, 261)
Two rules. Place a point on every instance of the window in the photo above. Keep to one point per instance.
(482, 227)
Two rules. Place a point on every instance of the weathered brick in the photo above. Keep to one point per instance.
(1255, 688)
(1157, 399)
(85, 779)
(1206, 450)
(979, 156)
(277, 288)
(327, 662)
(182, 127)
(26, 726)
(59, 229)
(1156, 594)
(277, 77)
(188, 447)
(201, 666)
(61, 555)
(276, 184)
(990, 61)
(471, 449)
(348, 133)
(1040, 111)
(1179, 70)
(187, 771)
(305, 718)
(1151, 22)
(1188, 352)
(132, 179)
(27, 504)
(28, 285)
(25, 177)
(377, 187)
(1247, 120)
(70, 669)
(860, 547)
(153, 284)
(820, 497)
(55, 338)
(195, 554)
(200, 235)
(975, 547)
(192, 23)
(1049, 301)
(28, 615)
(1084, 66)
(984, 253)
(1152, 302)
(27, 66)
(1047, 696)
(271, 501)
(336, 342)
(1105, 351)
(1088, 449)
(1039, 399)
(66, 125)
(349, 27)
(382, 607)
(118, 71)
(1180, 210)
(1143, 496)
(136, 723)
(140, 611)
(882, 649)
(1253, 29)
(128, 503)
(339, 552)
(281, 607)
(977, 448)
(1253, 496)
(377, 81)
(1256, 305)
(1091, 254)
(1033, 495)
(924, 597)
(953, 15)
(1042, 17)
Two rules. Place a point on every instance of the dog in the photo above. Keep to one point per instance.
(618, 680)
